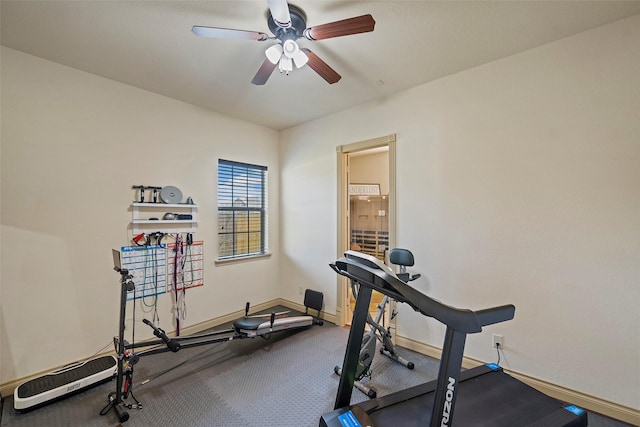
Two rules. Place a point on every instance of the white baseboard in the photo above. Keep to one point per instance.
(299, 307)
(591, 403)
(212, 323)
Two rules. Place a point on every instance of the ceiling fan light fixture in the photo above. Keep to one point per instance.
(291, 50)
(286, 64)
(274, 53)
(300, 59)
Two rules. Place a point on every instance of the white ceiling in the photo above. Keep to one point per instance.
(149, 44)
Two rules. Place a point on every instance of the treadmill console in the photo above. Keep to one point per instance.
(370, 261)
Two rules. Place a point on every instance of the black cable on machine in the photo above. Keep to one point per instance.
(156, 317)
(152, 253)
(188, 255)
(178, 365)
(148, 254)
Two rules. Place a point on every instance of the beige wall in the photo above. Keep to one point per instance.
(520, 183)
(73, 144)
(371, 169)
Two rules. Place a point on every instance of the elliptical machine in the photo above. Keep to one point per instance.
(377, 331)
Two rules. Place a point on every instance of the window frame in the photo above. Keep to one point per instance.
(230, 171)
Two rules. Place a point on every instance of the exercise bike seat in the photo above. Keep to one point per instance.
(403, 258)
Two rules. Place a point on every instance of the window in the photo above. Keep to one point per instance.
(242, 209)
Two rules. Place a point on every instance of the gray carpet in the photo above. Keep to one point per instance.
(286, 381)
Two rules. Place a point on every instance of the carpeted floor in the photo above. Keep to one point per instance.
(287, 381)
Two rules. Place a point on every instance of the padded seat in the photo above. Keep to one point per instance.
(248, 323)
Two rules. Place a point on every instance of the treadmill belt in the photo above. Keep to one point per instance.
(493, 399)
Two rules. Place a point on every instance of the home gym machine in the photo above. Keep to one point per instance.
(488, 396)
(247, 327)
(377, 331)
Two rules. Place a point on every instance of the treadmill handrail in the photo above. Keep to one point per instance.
(362, 270)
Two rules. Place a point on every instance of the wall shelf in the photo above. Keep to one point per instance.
(141, 212)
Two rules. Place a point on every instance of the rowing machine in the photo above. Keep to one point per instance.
(246, 327)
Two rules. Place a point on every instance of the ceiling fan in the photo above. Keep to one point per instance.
(288, 23)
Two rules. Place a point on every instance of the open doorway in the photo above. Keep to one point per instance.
(366, 209)
(368, 225)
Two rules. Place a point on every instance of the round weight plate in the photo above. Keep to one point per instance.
(170, 194)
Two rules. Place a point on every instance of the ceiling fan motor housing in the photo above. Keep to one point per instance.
(295, 31)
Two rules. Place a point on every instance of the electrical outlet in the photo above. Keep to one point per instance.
(300, 290)
(497, 341)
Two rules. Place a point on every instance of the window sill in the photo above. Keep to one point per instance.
(228, 261)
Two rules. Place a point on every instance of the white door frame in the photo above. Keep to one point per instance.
(343, 210)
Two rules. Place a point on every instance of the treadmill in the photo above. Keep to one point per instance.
(487, 395)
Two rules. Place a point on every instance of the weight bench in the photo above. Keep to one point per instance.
(256, 325)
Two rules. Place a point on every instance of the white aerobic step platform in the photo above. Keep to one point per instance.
(63, 382)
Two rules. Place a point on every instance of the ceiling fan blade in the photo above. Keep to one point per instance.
(321, 67)
(264, 72)
(357, 25)
(226, 33)
(280, 12)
